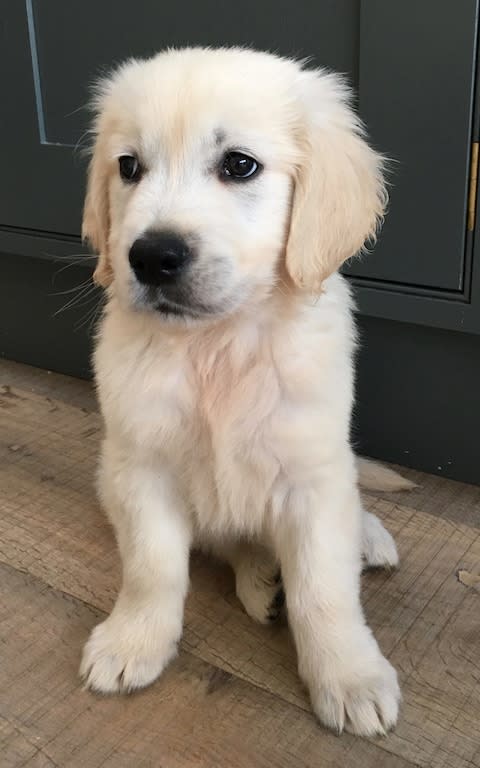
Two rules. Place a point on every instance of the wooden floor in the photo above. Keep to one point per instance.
(232, 698)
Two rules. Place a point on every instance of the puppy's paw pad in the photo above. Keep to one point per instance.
(276, 606)
(113, 662)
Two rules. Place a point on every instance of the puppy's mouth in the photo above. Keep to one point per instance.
(181, 305)
(179, 302)
(172, 309)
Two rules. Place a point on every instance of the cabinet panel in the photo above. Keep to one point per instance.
(416, 86)
(326, 29)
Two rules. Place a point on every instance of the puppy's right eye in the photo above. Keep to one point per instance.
(130, 169)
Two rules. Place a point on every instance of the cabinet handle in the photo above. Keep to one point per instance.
(472, 190)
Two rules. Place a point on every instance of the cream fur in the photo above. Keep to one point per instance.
(231, 431)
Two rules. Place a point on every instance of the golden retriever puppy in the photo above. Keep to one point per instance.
(226, 188)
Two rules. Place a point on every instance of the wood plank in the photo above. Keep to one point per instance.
(430, 629)
(16, 749)
(73, 391)
(426, 620)
(439, 496)
(196, 715)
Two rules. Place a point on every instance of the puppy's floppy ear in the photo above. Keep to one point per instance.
(96, 215)
(339, 196)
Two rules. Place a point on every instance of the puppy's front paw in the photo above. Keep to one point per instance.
(124, 653)
(361, 696)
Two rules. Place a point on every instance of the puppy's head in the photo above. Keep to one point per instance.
(215, 171)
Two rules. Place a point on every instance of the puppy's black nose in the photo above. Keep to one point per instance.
(159, 257)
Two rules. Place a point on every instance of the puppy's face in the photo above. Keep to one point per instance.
(198, 218)
(214, 171)
(199, 198)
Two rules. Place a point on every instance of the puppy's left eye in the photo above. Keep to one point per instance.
(236, 165)
(130, 169)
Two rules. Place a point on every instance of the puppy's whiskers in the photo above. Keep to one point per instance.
(83, 295)
(74, 260)
(92, 315)
(75, 288)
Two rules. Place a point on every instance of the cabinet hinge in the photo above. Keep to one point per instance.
(472, 189)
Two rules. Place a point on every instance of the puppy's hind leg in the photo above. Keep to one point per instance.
(378, 546)
(257, 578)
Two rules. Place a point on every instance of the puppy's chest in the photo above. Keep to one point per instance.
(234, 398)
(200, 402)
(219, 420)
(236, 465)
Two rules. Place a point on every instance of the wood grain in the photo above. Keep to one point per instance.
(233, 693)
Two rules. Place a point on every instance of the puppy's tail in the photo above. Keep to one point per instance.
(375, 477)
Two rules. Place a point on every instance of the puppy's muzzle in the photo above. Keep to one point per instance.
(158, 259)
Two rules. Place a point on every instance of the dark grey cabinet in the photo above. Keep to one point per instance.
(414, 66)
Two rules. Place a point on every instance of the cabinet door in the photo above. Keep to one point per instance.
(417, 83)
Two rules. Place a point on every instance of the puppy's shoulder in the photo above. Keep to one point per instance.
(330, 315)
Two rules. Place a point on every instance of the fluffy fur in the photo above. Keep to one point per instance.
(227, 423)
